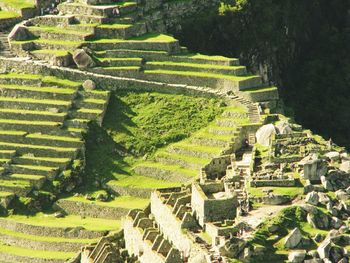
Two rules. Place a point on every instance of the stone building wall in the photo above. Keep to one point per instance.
(169, 225)
(211, 210)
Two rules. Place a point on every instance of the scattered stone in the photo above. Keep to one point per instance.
(345, 166)
(312, 198)
(265, 133)
(336, 254)
(293, 239)
(323, 198)
(297, 256)
(334, 156)
(326, 184)
(342, 195)
(82, 59)
(344, 229)
(273, 228)
(59, 214)
(283, 127)
(319, 220)
(89, 85)
(313, 260)
(89, 197)
(102, 197)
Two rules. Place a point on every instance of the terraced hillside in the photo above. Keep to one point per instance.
(123, 46)
(50, 126)
(13, 11)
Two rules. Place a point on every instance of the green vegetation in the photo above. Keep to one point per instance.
(44, 254)
(137, 124)
(7, 15)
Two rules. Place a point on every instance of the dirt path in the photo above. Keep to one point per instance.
(257, 216)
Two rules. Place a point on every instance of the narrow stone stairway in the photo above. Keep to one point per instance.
(4, 45)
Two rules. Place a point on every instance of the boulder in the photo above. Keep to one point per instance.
(265, 133)
(89, 84)
(297, 256)
(283, 127)
(82, 59)
(334, 156)
(319, 220)
(293, 239)
(326, 184)
(323, 198)
(342, 195)
(336, 223)
(324, 248)
(336, 254)
(345, 166)
(314, 168)
(19, 33)
(312, 198)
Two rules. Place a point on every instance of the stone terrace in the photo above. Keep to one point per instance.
(41, 120)
(123, 46)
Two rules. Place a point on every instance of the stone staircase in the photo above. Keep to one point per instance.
(5, 50)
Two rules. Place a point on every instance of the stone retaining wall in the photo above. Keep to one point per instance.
(130, 191)
(91, 210)
(280, 183)
(65, 232)
(40, 245)
(6, 257)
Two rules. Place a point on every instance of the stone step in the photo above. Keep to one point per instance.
(227, 122)
(77, 123)
(205, 141)
(47, 243)
(7, 154)
(98, 10)
(199, 67)
(120, 31)
(40, 150)
(34, 104)
(62, 163)
(120, 62)
(47, 171)
(36, 181)
(115, 209)
(111, 44)
(194, 150)
(184, 161)
(220, 130)
(130, 71)
(29, 126)
(160, 171)
(32, 226)
(34, 92)
(17, 114)
(18, 187)
(214, 81)
(54, 33)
